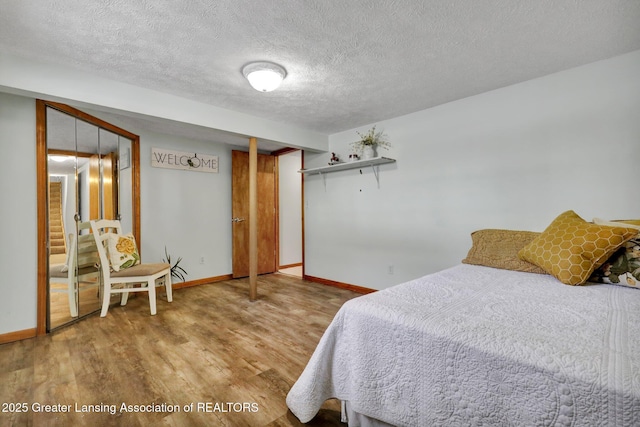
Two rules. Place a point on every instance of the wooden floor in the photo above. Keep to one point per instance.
(210, 347)
(59, 313)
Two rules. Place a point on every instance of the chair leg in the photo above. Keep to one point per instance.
(168, 286)
(124, 297)
(152, 296)
(73, 301)
(106, 298)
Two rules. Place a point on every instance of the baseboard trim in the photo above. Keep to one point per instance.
(298, 264)
(354, 288)
(17, 335)
(204, 281)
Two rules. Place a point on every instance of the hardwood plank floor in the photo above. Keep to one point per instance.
(89, 302)
(234, 360)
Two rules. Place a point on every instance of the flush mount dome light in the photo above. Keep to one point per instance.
(59, 159)
(264, 76)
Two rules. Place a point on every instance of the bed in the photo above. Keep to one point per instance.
(479, 345)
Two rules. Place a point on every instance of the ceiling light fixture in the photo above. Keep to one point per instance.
(264, 76)
(59, 159)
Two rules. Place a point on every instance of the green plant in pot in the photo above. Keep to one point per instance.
(176, 271)
(370, 141)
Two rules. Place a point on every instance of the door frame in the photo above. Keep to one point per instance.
(277, 155)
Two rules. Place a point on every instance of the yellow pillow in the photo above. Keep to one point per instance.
(122, 251)
(499, 249)
(571, 248)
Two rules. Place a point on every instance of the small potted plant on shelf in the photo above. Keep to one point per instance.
(369, 143)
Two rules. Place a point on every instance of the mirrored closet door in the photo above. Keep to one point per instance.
(91, 174)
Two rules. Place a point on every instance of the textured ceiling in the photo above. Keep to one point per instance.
(349, 63)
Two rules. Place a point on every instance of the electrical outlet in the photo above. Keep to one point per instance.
(202, 259)
(390, 269)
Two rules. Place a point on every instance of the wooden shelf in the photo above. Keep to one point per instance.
(357, 164)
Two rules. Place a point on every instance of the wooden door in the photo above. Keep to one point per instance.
(94, 187)
(103, 177)
(266, 194)
(109, 186)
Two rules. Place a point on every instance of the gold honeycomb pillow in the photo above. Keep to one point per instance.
(571, 248)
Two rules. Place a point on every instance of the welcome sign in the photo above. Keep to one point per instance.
(170, 159)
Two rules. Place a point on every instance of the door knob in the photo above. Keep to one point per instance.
(237, 219)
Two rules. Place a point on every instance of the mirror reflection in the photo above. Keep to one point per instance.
(89, 177)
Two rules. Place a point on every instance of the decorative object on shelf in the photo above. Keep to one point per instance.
(334, 159)
(264, 76)
(369, 152)
(369, 143)
(353, 157)
(176, 271)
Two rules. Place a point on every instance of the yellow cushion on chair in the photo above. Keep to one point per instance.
(571, 248)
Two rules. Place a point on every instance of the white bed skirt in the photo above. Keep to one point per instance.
(355, 419)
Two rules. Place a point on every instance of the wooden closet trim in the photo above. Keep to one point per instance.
(42, 203)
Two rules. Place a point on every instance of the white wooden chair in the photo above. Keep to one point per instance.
(81, 267)
(148, 275)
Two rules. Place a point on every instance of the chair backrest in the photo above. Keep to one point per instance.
(101, 229)
(88, 257)
(82, 256)
(65, 271)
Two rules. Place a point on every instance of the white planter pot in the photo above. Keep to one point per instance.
(368, 152)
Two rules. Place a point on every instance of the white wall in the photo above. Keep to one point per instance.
(126, 181)
(290, 188)
(18, 262)
(189, 212)
(511, 158)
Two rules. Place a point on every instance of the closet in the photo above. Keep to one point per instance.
(87, 169)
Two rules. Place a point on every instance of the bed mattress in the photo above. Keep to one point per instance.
(474, 345)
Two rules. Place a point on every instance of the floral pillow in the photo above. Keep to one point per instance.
(122, 250)
(623, 267)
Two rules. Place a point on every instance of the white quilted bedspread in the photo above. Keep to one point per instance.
(475, 345)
